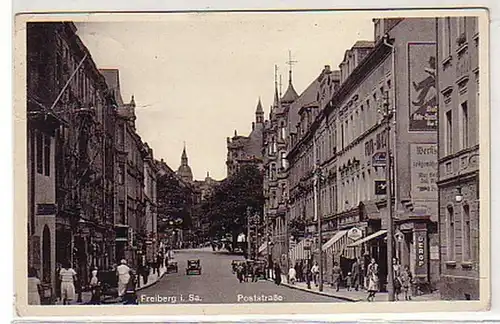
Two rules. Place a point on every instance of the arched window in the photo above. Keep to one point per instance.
(451, 233)
(466, 247)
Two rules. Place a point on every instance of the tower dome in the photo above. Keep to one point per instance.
(184, 170)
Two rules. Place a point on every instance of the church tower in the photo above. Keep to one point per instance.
(184, 170)
(259, 113)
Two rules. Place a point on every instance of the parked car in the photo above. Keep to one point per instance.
(193, 266)
(172, 267)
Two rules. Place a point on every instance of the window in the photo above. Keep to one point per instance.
(465, 125)
(283, 160)
(449, 133)
(466, 247)
(342, 136)
(39, 152)
(275, 147)
(347, 133)
(46, 157)
(121, 174)
(451, 234)
(283, 132)
(461, 27)
(121, 207)
(446, 37)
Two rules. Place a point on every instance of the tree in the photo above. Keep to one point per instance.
(226, 208)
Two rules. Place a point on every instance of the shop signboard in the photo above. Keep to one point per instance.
(422, 253)
(423, 157)
(355, 234)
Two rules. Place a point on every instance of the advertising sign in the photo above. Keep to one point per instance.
(422, 254)
(424, 169)
(422, 87)
(354, 234)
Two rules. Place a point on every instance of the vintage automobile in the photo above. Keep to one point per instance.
(193, 266)
(172, 267)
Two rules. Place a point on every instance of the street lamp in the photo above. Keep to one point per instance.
(318, 176)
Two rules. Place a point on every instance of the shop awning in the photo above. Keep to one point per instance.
(368, 238)
(331, 242)
(298, 252)
(262, 248)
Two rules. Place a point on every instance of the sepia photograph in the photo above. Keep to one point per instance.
(264, 158)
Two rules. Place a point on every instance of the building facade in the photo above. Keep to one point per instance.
(64, 82)
(342, 136)
(150, 206)
(458, 75)
(246, 149)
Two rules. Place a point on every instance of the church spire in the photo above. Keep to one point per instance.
(276, 94)
(184, 158)
(259, 113)
(290, 94)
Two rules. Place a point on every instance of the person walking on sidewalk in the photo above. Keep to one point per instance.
(373, 281)
(143, 272)
(95, 287)
(34, 287)
(336, 276)
(406, 282)
(356, 274)
(277, 273)
(130, 295)
(158, 263)
(68, 279)
(396, 268)
(315, 273)
(123, 273)
(348, 281)
(292, 274)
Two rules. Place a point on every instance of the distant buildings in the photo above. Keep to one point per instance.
(246, 149)
(458, 86)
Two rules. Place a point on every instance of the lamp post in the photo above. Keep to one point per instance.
(387, 114)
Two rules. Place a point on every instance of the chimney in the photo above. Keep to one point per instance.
(327, 69)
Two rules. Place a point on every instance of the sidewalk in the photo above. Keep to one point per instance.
(352, 296)
(152, 280)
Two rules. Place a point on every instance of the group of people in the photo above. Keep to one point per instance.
(244, 270)
(402, 279)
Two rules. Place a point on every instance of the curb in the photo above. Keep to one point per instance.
(321, 293)
(152, 283)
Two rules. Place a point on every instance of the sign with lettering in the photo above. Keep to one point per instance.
(354, 233)
(421, 246)
(379, 159)
(422, 86)
(380, 187)
(424, 170)
(46, 209)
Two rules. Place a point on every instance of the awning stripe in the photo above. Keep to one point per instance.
(335, 241)
(262, 247)
(368, 238)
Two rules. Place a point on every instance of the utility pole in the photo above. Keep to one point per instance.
(287, 241)
(387, 114)
(317, 181)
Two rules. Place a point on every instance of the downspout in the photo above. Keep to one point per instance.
(394, 111)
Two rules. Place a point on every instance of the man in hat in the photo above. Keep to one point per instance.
(123, 273)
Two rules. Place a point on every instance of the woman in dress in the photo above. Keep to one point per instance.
(372, 274)
(68, 278)
(406, 281)
(34, 287)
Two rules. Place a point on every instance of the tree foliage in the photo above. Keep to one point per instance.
(226, 207)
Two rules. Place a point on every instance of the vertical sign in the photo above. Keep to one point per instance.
(422, 87)
(422, 253)
(424, 169)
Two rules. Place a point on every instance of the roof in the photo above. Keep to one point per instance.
(112, 77)
(259, 107)
(364, 44)
(290, 94)
(306, 98)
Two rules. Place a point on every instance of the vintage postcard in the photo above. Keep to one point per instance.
(269, 162)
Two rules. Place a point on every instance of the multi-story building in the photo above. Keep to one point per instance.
(150, 206)
(64, 82)
(458, 86)
(129, 214)
(275, 167)
(347, 141)
(301, 157)
(243, 150)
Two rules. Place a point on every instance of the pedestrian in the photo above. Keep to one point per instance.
(336, 276)
(123, 273)
(315, 273)
(68, 279)
(297, 270)
(356, 274)
(292, 274)
(239, 272)
(308, 273)
(158, 263)
(373, 281)
(34, 287)
(95, 287)
(144, 273)
(406, 282)
(348, 281)
(277, 273)
(130, 295)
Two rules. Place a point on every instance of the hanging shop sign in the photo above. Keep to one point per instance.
(422, 253)
(379, 159)
(355, 234)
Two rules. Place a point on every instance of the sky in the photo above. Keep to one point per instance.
(196, 78)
